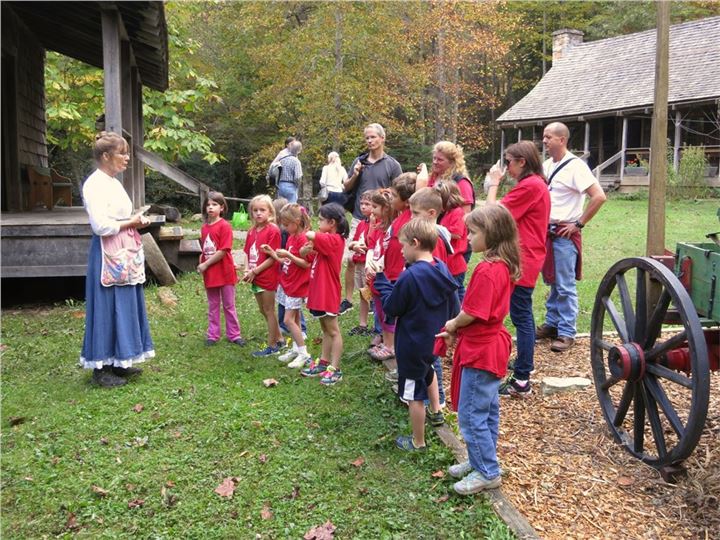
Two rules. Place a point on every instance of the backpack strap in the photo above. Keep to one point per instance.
(558, 169)
(457, 177)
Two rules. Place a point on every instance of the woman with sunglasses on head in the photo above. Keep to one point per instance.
(529, 204)
(117, 333)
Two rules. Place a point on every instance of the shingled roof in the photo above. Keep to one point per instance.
(618, 74)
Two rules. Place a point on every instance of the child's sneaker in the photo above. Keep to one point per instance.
(392, 376)
(358, 331)
(331, 376)
(436, 419)
(267, 351)
(511, 387)
(406, 442)
(460, 470)
(286, 357)
(301, 360)
(475, 482)
(315, 369)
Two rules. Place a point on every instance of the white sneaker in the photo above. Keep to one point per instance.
(286, 357)
(475, 482)
(299, 361)
(460, 470)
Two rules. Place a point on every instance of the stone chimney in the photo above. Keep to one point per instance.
(563, 41)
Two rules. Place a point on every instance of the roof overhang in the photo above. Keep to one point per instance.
(75, 30)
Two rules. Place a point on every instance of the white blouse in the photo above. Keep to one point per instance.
(106, 203)
(332, 178)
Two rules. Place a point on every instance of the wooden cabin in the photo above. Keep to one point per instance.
(604, 92)
(40, 236)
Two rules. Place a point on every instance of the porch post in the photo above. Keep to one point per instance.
(111, 70)
(127, 108)
(676, 145)
(586, 145)
(519, 134)
(502, 144)
(138, 134)
(623, 147)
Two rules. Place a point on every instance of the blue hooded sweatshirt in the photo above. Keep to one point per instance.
(423, 299)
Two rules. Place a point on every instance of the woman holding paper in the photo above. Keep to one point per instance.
(117, 333)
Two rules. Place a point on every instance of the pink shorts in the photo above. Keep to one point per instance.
(386, 327)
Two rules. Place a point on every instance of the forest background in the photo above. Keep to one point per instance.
(245, 75)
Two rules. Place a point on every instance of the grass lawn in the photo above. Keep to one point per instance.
(205, 416)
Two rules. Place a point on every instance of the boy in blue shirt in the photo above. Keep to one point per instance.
(422, 296)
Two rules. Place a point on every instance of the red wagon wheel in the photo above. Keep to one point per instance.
(652, 377)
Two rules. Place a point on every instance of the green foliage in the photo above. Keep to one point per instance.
(689, 182)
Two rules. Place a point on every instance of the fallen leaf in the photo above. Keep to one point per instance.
(177, 434)
(227, 488)
(3, 347)
(29, 479)
(130, 487)
(269, 382)
(358, 462)
(442, 498)
(100, 492)
(170, 484)
(169, 499)
(136, 503)
(243, 453)
(266, 513)
(78, 314)
(625, 481)
(16, 420)
(295, 493)
(103, 440)
(438, 474)
(263, 458)
(317, 340)
(71, 523)
(256, 423)
(55, 460)
(326, 531)
(182, 334)
(138, 408)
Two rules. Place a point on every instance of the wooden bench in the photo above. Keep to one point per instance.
(47, 188)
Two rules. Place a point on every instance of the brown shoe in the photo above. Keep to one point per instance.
(562, 344)
(545, 332)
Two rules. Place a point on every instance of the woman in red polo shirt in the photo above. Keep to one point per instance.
(529, 204)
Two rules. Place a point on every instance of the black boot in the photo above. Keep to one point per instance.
(106, 378)
(126, 372)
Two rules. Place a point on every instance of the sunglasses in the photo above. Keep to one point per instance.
(507, 161)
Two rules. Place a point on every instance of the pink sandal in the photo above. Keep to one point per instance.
(382, 353)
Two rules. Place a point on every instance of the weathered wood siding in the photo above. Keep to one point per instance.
(19, 42)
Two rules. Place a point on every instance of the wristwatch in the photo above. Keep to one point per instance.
(578, 224)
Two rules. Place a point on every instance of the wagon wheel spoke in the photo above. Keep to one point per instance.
(669, 374)
(616, 319)
(604, 345)
(655, 423)
(672, 343)
(624, 405)
(659, 395)
(612, 381)
(626, 303)
(639, 420)
(640, 307)
(656, 319)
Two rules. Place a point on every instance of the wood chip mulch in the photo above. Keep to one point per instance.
(567, 476)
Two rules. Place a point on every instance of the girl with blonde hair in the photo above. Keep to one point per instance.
(331, 180)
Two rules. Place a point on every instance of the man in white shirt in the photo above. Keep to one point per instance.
(569, 181)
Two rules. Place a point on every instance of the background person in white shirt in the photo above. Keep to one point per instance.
(332, 179)
(569, 181)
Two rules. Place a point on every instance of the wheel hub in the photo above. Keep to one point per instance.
(627, 362)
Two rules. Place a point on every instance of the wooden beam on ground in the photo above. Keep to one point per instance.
(156, 261)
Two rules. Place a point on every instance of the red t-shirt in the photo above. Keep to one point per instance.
(440, 250)
(375, 239)
(529, 204)
(270, 235)
(392, 249)
(324, 291)
(293, 278)
(454, 222)
(361, 232)
(213, 238)
(485, 343)
(463, 185)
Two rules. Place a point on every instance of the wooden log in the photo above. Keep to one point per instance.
(190, 246)
(156, 261)
(171, 233)
(171, 213)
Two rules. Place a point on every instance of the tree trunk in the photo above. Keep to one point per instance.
(338, 73)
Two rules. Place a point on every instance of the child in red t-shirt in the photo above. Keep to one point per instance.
(262, 270)
(359, 247)
(383, 346)
(294, 278)
(453, 219)
(483, 345)
(218, 270)
(323, 300)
